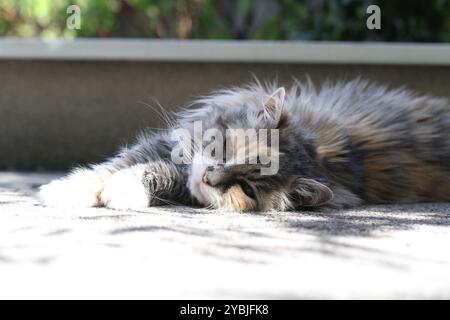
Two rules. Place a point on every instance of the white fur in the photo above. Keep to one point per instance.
(79, 189)
(205, 194)
(125, 190)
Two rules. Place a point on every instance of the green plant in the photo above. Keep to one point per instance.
(340, 20)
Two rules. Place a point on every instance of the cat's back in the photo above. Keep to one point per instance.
(403, 138)
(360, 100)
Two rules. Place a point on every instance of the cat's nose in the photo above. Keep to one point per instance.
(205, 175)
(205, 178)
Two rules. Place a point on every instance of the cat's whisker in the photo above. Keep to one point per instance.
(162, 113)
(166, 201)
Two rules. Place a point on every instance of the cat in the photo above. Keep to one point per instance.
(341, 145)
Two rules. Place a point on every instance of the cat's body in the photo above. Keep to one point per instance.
(345, 145)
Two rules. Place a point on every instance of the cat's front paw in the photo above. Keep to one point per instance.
(81, 189)
(124, 190)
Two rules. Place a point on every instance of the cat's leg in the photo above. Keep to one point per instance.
(81, 188)
(143, 185)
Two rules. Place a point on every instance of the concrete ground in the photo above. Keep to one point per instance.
(399, 251)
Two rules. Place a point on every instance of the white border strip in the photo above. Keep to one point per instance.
(226, 51)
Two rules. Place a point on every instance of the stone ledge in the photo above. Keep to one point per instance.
(227, 51)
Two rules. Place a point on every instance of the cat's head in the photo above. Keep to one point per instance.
(238, 179)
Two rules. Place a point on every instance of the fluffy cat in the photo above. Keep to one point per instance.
(343, 145)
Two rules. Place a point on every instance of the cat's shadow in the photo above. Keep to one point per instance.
(362, 221)
(328, 227)
(367, 221)
(330, 233)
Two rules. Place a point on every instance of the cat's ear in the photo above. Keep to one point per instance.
(311, 193)
(274, 106)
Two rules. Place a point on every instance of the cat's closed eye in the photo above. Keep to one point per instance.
(247, 189)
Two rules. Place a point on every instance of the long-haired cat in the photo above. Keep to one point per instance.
(343, 145)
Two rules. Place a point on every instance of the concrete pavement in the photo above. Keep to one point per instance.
(399, 251)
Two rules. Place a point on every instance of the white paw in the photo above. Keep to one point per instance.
(80, 190)
(125, 190)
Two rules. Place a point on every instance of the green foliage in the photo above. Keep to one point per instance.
(340, 20)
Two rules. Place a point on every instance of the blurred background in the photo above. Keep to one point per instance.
(337, 20)
(67, 108)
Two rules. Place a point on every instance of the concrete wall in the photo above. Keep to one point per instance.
(55, 113)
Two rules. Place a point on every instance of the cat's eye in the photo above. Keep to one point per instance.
(247, 189)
